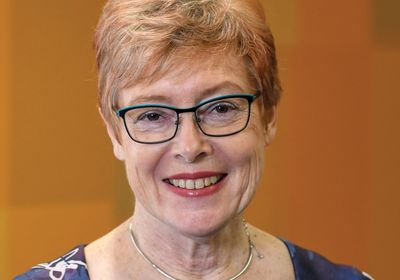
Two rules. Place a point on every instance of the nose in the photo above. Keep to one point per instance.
(190, 144)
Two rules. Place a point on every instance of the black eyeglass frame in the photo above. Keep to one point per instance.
(249, 97)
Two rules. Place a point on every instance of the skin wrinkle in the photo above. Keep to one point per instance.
(203, 261)
(253, 178)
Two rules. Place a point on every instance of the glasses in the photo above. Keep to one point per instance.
(157, 123)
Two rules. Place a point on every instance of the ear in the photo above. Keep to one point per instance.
(270, 127)
(117, 147)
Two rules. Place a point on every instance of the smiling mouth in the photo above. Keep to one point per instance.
(199, 183)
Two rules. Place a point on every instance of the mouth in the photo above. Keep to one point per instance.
(198, 183)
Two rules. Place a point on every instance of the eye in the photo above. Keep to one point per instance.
(149, 116)
(222, 108)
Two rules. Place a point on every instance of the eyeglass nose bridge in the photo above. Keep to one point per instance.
(195, 118)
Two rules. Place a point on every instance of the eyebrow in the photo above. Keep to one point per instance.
(151, 98)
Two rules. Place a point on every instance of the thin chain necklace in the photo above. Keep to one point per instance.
(166, 275)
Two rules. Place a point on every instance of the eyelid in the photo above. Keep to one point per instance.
(221, 97)
(219, 102)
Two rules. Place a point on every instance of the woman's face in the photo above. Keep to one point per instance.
(235, 161)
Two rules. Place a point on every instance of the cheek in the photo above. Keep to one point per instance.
(140, 165)
(131, 168)
(253, 166)
(256, 160)
(246, 160)
(247, 156)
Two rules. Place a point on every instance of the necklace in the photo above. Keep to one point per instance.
(166, 275)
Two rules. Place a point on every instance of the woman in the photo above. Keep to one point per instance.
(188, 91)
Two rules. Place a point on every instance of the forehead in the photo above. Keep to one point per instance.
(190, 80)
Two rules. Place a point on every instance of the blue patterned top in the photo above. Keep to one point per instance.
(307, 266)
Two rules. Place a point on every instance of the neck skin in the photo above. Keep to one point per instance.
(218, 255)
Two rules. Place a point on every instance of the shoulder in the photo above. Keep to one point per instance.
(70, 266)
(272, 256)
(312, 266)
(110, 256)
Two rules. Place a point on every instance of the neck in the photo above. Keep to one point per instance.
(218, 254)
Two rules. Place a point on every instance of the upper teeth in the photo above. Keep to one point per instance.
(195, 183)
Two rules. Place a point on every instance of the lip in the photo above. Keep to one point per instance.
(194, 193)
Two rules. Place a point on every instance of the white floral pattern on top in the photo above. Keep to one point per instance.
(58, 267)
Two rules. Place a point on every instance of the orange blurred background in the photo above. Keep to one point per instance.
(332, 176)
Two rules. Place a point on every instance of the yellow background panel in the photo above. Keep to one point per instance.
(384, 141)
(4, 243)
(332, 23)
(4, 102)
(59, 145)
(282, 17)
(4, 135)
